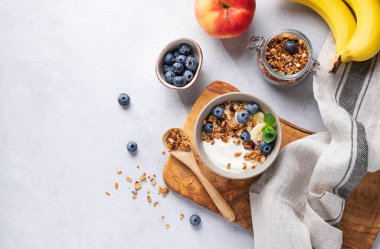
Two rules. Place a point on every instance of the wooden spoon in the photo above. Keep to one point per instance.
(187, 158)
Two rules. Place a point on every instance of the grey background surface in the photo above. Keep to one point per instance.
(62, 133)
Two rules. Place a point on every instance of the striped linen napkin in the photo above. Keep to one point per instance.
(296, 203)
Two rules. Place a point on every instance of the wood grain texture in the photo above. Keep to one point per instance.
(361, 219)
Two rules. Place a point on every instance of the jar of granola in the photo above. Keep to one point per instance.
(285, 58)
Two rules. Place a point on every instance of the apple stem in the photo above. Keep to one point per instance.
(225, 13)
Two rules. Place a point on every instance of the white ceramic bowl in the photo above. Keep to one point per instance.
(197, 53)
(244, 174)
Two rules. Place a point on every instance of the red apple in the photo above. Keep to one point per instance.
(224, 18)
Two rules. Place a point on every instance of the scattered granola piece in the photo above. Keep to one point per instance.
(137, 166)
(228, 166)
(163, 191)
(137, 185)
(128, 179)
(253, 166)
(134, 197)
(237, 154)
(119, 171)
(134, 192)
(153, 181)
(155, 204)
(149, 199)
(116, 185)
(143, 177)
(148, 192)
(163, 152)
(107, 193)
(162, 217)
(167, 226)
(181, 216)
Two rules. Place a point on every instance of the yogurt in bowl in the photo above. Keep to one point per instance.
(237, 135)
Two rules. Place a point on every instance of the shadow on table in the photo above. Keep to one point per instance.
(189, 96)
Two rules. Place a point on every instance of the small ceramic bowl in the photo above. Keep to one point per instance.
(244, 174)
(197, 52)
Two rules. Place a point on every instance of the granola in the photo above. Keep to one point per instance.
(176, 141)
(163, 191)
(237, 127)
(282, 61)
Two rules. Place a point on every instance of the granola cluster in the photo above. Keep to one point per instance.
(227, 129)
(176, 141)
(281, 60)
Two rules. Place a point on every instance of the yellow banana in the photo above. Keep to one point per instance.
(365, 42)
(337, 16)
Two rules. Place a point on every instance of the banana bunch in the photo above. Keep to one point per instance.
(355, 40)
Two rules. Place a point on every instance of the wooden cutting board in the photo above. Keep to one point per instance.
(361, 218)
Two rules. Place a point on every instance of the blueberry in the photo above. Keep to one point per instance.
(191, 63)
(184, 49)
(208, 128)
(176, 53)
(265, 148)
(123, 99)
(245, 136)
(132, 146)
(242, 117)
(169, 59)
(195, 220)
(178, 68)
(179, 81)
(291, 47)
(253, 108)
(169, 77)
(217, 111)
(167, 68)
(180, 59)
(188, 75)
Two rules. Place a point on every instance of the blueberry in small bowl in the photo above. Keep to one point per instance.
(179, 64)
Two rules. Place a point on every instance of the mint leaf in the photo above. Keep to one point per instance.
(269, 119)
(269, 133)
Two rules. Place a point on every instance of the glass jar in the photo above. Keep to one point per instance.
(278, 77)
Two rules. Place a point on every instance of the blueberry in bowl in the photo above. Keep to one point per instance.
(179, 64)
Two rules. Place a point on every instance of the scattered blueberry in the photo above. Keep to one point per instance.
(208, 128)
(242, 117)
(195, 220)
(217, 111)
(265, 148)
(191, 63)
(253, 108)
(180, 59)
(188, 75)
(167, 68)
(124, 99)
(245, 136)
(178, 68)
(132, 146)
(169, 77)
(169, 59)
(291, 47)
(179, 81)
(176, 53)
(184, 49)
